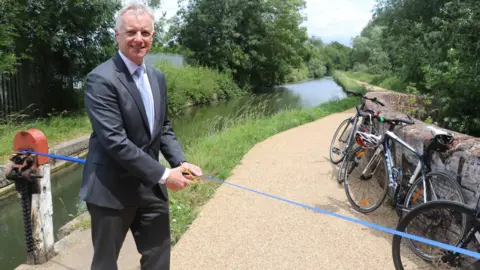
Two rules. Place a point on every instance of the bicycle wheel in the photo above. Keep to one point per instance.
(433, 221)
(450, 191)
(343, 138)
(359, 171)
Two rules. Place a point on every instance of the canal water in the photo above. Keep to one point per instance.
(197, 122)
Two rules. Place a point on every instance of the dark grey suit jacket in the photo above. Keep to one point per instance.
(122, 159)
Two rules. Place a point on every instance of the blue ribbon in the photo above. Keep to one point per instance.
(361, 222)
(76, 160)
(318, 210)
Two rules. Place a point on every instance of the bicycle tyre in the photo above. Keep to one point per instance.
(354, 205)
(405, 221)
(344, 122)
(455, 188)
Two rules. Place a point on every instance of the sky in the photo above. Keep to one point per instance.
(338, 20)
(331, 20)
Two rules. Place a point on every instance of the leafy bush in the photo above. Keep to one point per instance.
(297, 74)
(393, 83)
(316, 68)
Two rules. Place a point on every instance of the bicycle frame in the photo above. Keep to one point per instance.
(354, 120)
(385, 146)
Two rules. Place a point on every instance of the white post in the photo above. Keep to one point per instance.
(42, 222)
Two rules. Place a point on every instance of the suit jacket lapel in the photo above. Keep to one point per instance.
(152, 78)
(127, 80)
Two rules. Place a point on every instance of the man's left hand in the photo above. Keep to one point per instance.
(194, 169)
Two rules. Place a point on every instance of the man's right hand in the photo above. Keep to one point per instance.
(176, 180)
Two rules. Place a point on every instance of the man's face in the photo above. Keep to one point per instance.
(135, 36)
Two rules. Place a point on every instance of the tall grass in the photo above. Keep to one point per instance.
(222, 117)
(192, 85)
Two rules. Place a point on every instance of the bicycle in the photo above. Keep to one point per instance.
(353, 121)
(467, 220)
(367, 125)
(403, 197)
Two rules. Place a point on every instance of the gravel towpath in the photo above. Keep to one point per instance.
(238, 229)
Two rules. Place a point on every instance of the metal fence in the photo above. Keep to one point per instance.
(176, 60)
(17, 92)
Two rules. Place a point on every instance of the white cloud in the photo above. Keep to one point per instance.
(328, 19)
(168, 6)
(337, 19)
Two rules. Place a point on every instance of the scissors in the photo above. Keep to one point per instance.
(196, 178)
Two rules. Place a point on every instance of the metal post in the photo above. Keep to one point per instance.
(31, 174)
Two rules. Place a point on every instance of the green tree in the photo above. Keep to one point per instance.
(8, 11)
(58, 42)
(433, 47)
(63, 41)
(368, 50)
(335, 56)
(259, 41)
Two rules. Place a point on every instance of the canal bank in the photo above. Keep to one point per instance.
(197, 123)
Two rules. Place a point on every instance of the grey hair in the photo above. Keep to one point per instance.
(138, 9)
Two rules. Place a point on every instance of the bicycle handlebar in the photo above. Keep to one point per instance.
(354, 93)
(378, 102)
(365, 97)
(362, 113)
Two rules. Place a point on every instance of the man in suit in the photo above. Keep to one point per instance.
(124, 185)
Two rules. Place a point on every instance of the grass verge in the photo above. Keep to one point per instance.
(383, 81)
(346, 82)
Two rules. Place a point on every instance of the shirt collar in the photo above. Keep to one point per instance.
(130, 65)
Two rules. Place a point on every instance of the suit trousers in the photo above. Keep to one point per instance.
(150, 226)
